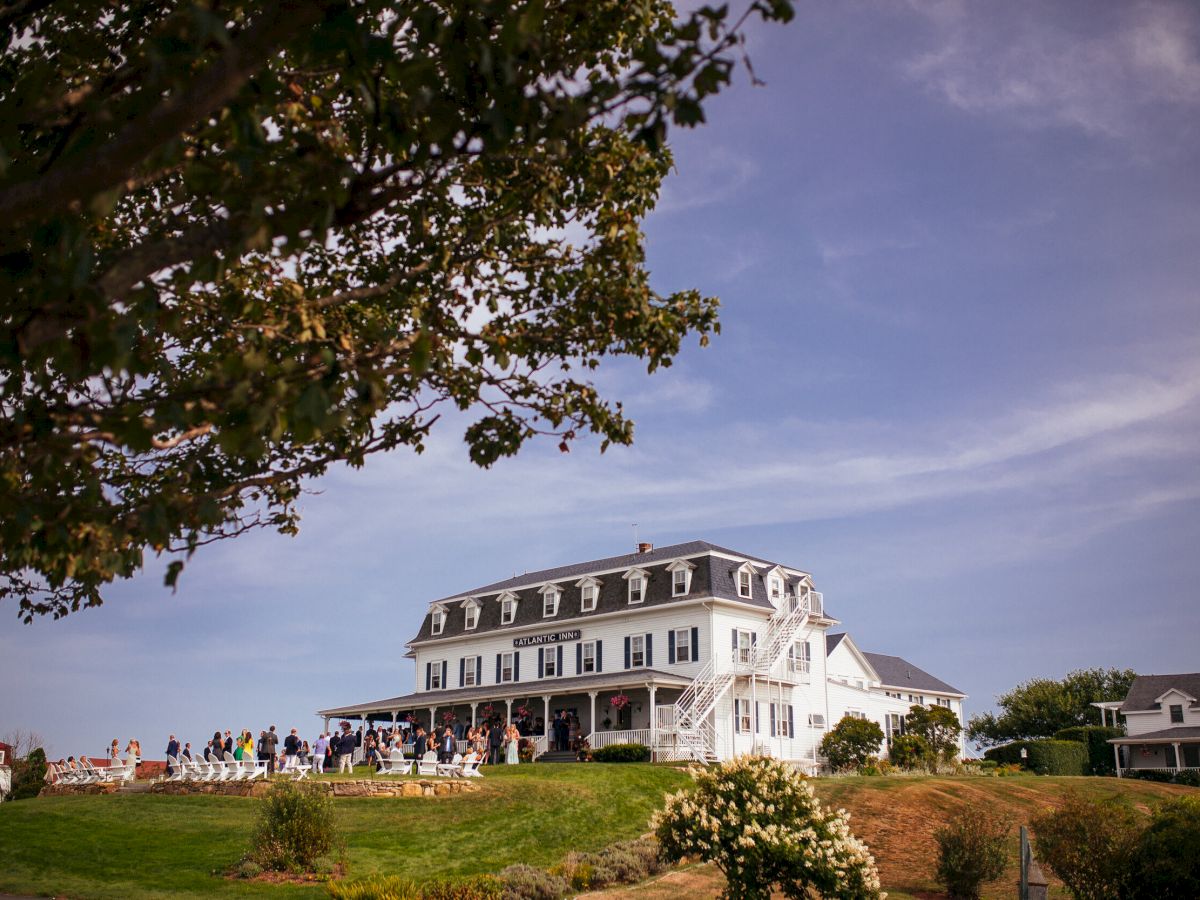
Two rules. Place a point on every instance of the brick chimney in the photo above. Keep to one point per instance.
(645, 547)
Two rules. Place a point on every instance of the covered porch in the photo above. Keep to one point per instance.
(1170, 750)
(611, 708)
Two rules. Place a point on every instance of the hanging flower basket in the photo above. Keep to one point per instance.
(487, 712)
(618, 702)
(448, 718)
(523, 712)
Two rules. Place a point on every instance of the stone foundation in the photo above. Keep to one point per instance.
(66, 790)
(361, 788)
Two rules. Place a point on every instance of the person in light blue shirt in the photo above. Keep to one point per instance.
(318, 754)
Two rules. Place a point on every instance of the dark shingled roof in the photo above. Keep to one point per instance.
(1180, 732)
(895, 671)
(1146, 688)
(712, 577)
(832, 641)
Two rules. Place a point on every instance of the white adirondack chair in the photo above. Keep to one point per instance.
(454, 767)
(233, 767)
(428, 764)
(470, 766)
(176, 769)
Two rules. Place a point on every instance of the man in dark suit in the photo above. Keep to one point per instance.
(270, 742)
(446, 746)
(495, 739)
(228, 742)
(291, 746)
(419, 743)
(172, 751)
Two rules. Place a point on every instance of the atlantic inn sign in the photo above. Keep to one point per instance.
(553, 637)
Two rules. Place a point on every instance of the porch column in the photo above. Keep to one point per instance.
(432, 723)
(1178, 755)
(653, 721)
(508, 716)
(327, 724)
(395, 714)
(474, 706)
(592, 721)
(546, 730)
(1117, 758)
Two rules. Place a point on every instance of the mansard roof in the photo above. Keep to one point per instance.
(713, 576)
(897, 672)
(1146, 690)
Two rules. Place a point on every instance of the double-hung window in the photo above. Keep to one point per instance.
(683, 645)
(470, 671)
(550, 662)
(741, 716)
(1177, 714)
(895, 725)
(506, 667)
(637, 589)
(472, 618)
(588, 657)
(637, 651)
(679, 582)
(776, 589)
(945, 701)
(508, 610)
(744, 583)
(435, 676)
(549, 604)
(587, 598)
(781, 720)
(800, 658)
(438, 620)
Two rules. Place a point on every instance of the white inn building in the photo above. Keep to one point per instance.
(718, 653)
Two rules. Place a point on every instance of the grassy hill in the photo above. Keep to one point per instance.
(142, 845)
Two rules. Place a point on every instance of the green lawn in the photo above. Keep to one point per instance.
(144, 845)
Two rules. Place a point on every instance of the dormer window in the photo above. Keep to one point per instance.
(637, 579)
(508, 608)
(1177, 714)
(742, 576)
(470, 614)
(776, 588)
(589, 593)
(550, 595)
(681, 577)
(438, 620)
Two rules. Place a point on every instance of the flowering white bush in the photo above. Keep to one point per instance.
(760, 823)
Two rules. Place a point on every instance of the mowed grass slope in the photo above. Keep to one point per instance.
(143, 845)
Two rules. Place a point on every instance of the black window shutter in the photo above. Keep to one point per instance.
(428, 675)
(599, 656)
(754, 639)
(498, 656)
(791, 723)
(462, 672)
(737, 722)
(579, 658)
(541, 662)
(444, 685)
(558, 669)
(671, 648)
(735, 639)
(695, 645)
(649, 650)
(627, 653)
(516, 665)
(772, 720)
(757, 716)
(478, 670)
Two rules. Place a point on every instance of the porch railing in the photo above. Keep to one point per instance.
(1166, 770)
(598, 739)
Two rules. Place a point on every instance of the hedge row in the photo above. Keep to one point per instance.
(1189, 777)
(622, 753)
(1044, 757)
(1095, 738)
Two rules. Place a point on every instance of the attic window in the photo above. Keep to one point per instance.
(550, 602)
(776, 588)
(1176, 714)
(508, 610)
(744, 583)
(679, 583)
(637, 589)
(472, 617)
(438, 620)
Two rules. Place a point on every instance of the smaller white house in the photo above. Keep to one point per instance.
(1162, 724)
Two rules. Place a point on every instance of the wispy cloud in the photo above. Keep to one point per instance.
(1103, 74)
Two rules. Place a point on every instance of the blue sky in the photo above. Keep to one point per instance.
(957, 248)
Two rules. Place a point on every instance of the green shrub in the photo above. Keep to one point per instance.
(522, 882)
(1099, 750)
(986, 763)
(1166, 865)
(295, 826)
(851, 743)
(622, 753)
(1090, 845)
(392, 887)
(909, 751)
(627, 862)
(247, 868)
(971, 850)
(1045, 757)
(1188, 777)
(28, 775)
(759, 822)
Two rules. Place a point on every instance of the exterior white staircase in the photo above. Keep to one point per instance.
(694, 706)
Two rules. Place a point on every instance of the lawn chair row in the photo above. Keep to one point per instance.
(229, 769)
(85, 773)
(396, 764)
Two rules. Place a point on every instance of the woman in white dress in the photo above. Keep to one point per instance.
(512, 739)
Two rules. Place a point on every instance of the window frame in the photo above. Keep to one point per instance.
(435, 675)
(816, 720)
(780, 710)
(795, 661)
(470, 673)
(550, 598)
(634, 640)
(507, 665)
(743, 722)
(640, 581)
(679, 583)
(1171, 713)
(584, 670)
(470, 616)
(686, 634)
(588, 592)
(743, 574)
(437, 621)
(550, 662)
(745, 654)
(508, 610)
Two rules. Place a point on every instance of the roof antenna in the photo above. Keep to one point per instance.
(635, 536)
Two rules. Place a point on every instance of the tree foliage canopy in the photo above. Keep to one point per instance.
(1042, 707)
(851, 742)
(244, 241)
(937, 726)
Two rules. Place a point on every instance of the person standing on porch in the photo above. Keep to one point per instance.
(512, 740)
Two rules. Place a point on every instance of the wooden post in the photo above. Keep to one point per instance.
(653, 721)
(592, 722)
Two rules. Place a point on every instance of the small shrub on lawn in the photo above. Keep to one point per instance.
(1166, 864)
(1090, 845)
(1188, 777)
(1044, 757)
(971, 850)
(759, 822)
(627, 862)
(294, 828)
(391, 887)
(622, 753)
(28, 775)
(909, 751)
(522, 882)
(248, 869)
